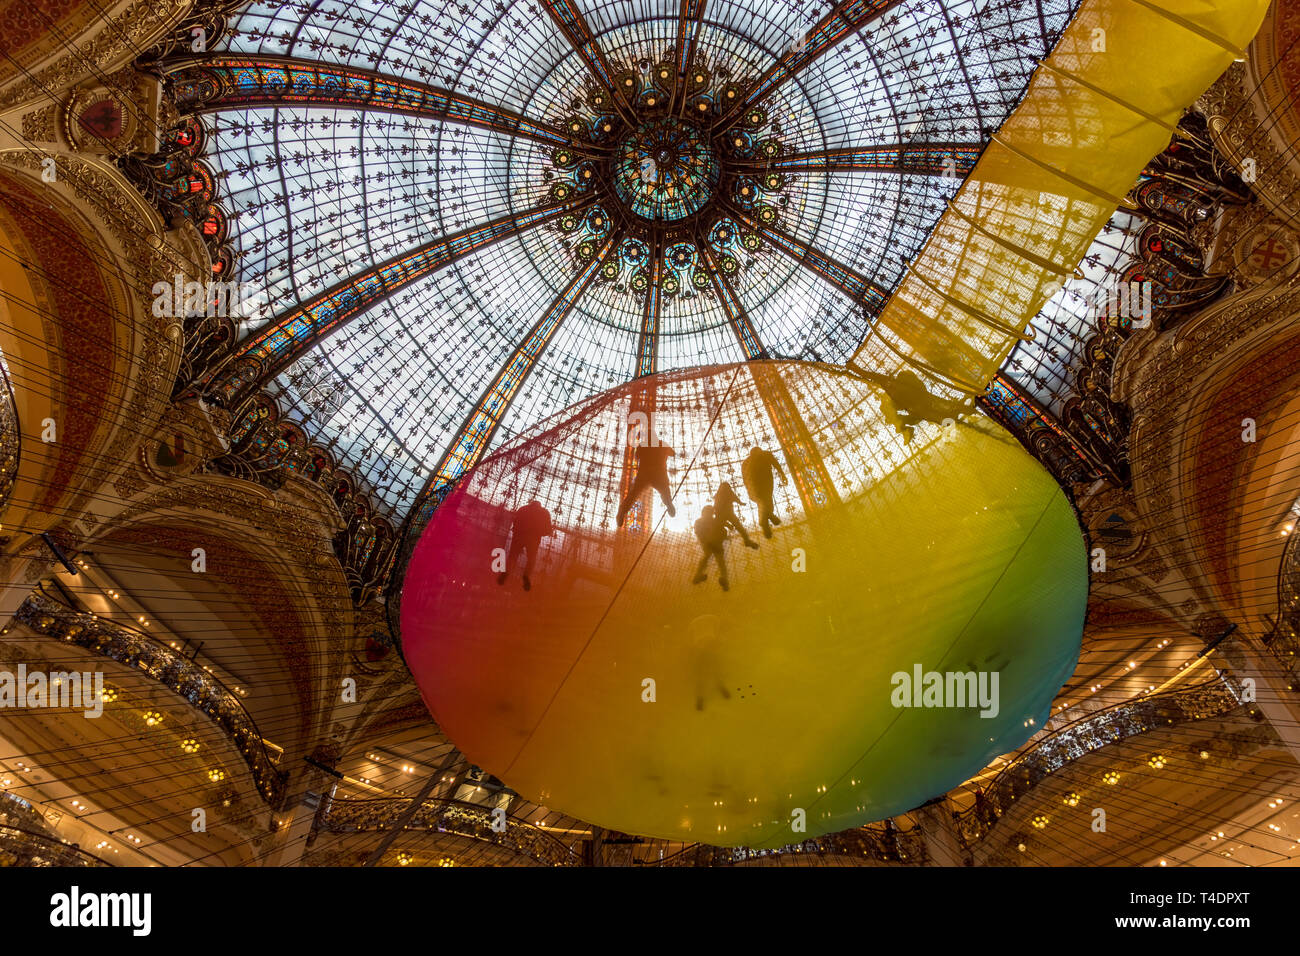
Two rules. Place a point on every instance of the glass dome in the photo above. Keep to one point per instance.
(534, 202)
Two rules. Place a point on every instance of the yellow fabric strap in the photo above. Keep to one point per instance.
(1048, 167)
(1047, 65)
(1237, 54)
(1098, 108)
(975, 313)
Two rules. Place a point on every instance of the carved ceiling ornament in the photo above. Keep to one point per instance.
(120, 115)
(1269, 252)
(41, 125)
(1273, 72)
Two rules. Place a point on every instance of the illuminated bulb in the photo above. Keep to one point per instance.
(216, 776)
(152, 718)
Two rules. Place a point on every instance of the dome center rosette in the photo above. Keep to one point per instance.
(665, 170)
(685, 180)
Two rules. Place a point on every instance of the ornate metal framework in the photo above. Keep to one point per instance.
(779, 232)
(259, 358)
(222, 82)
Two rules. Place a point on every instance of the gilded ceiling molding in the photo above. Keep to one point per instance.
(279, 518)
(113, 115)
(87, 332)
(128, 234)
(118, 40)
(1273, 71)
(1162, 377)
(1238, 134)
(288, 523)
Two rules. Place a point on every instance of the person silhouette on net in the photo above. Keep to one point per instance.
(711, 533)
(757, 471)
(724, 506)
(651, 472)
(532, 523)
(906, 403)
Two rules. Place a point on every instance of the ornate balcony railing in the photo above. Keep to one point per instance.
(1284, 641)
(26, 839)
(1088, 734)
(17, 812)
(882, 844)
(448, 816)
(10, 437)
(19, 847)
(174, 671)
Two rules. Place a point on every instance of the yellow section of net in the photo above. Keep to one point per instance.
(1105, 101)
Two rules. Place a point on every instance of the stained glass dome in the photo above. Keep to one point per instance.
(468, 216)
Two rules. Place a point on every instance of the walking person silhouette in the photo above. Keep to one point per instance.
(757, 471)
(724, 506)
(711, 533)
(531, 524)
(651, 472)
